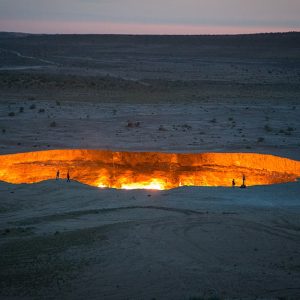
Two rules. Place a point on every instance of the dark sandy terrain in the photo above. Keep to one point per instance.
(190, 94)
(219, 93)
(150, 68)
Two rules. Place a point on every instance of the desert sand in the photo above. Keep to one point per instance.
(69, 241)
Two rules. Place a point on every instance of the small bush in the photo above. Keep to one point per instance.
(21, 109)
(268, 128)
(133, 124)
(260, 139)
(53, 124)
(162, 128)
(186, 126)
(32, 106)
(41, 110)
(11, 114)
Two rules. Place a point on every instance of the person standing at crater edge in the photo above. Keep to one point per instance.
(243, 186)
(57, 175)
(68, 176)
(233, 183)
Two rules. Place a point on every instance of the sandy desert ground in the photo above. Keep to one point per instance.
(62, 240)
(80, 242)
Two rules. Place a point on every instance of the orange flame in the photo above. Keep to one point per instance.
(148, 170)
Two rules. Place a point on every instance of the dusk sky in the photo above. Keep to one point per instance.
(150, 17)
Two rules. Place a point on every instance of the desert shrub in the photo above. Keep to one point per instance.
(53, 124)
(162, 128)
(186, 126)
(11, 114)
(214, 120)
(41, 110)
(268, 128)
(3, 130)
(21, 109)
(133, 124)
(260, 139)
(287, 131)
(32, 106)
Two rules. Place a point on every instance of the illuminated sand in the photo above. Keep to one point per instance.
(150, 170)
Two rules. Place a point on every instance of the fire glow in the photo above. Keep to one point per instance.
(148, 170)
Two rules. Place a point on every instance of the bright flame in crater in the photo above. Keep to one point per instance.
(155, 184)
(148, 170)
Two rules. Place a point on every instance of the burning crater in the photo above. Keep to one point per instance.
(148, 170)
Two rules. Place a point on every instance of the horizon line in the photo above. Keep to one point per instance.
(67, 27)
(153, 34)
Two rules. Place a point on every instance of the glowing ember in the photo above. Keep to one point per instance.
(148, 170)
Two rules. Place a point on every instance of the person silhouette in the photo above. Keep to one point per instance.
(233, 183)
(57, 175)
(68, 176)
(243, 186)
